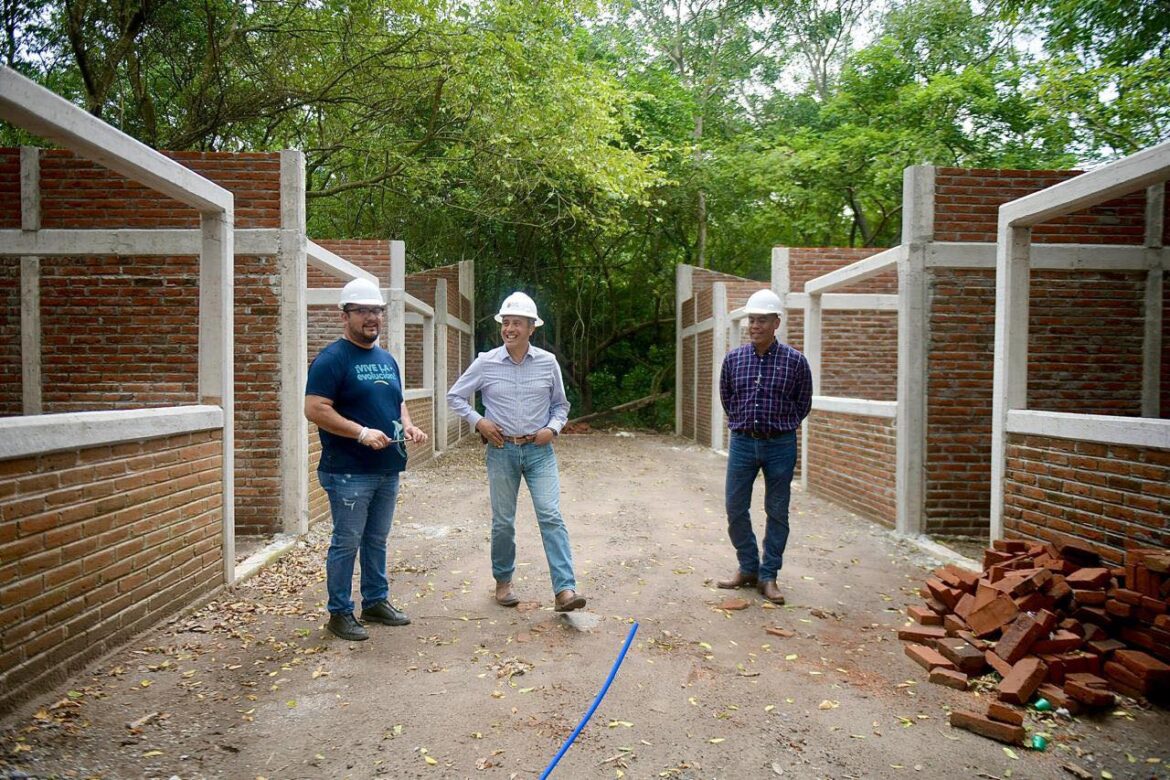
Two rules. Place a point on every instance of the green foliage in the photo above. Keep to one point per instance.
(580, 151)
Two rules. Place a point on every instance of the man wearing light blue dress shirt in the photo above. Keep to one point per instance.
(524, 401)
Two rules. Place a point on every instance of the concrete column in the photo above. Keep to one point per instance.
(1010, 390)
(781, 285)
(440, 381)
(913, 337)
(30, 284)
(719, 339)
(812, 352)
(292, 264)
(1155, 279)
(396, 305)
(682, 293)
(217, 356)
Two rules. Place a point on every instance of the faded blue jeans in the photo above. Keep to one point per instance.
(746, 457)
(538, 466)
(362, 506)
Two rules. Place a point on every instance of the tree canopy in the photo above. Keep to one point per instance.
(581, 150)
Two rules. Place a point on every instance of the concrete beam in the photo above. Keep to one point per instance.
(34, 108)
(293, 346)
(44, 433)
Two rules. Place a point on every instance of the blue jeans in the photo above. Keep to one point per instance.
(538, 466)
(362, 506)
(745, 457)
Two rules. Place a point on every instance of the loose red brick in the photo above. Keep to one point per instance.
(1089, 689)
(1089, 579)
(1104, 647)
(993, 616)
(1060, 641)
(948, 677)
(1023, 632)
(1058, 698)
(924, 616)
(1090, 598)
(1131, 597)
(1023, 680)
(998, 664)
(1145, 666)
(1118, 609)
(1004, 714)
(973, 640)
(1124, 681)
(927, 657)
(923, 635)
(986, 727)
(953, 624)
(966, 658)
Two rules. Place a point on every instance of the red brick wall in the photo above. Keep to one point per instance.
(967, 205)
(79, 193)
(119, 332)
(859, 349)
(704, 376)
(688, 388)
(852, 463)
(10, 218)
(1084, 357)
(122, 332)
(11, 389)
(257, 395)
(805, 263)
(1110, 496)
(99, 543)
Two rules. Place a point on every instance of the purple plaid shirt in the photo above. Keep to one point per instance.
(768, 394)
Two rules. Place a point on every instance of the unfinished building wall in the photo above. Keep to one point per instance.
(121, 332)
(1086, 332)
(99, 543)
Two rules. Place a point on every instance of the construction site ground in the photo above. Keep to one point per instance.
(250, 685)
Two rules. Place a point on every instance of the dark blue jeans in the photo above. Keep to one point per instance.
(362, 506)
(746, 457)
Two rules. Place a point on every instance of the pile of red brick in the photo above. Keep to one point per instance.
(1053, 622)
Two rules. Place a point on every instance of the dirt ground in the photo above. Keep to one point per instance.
(251, 686)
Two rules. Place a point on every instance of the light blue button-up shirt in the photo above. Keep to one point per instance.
(520, 397)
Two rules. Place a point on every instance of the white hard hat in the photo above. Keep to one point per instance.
(764, 302)
(360, 292)
(520, 305)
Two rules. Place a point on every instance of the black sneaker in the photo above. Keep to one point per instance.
(384, 612)
(343, 626)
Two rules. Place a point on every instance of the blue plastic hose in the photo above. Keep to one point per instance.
(600, 695)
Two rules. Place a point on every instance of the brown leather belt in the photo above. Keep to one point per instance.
(520, 441)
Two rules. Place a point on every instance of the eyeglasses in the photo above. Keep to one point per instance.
(367, 311)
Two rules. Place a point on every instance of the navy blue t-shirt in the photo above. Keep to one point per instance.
(365, 386)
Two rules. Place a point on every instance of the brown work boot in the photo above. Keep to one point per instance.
(504, 595)
(568, 600)
(737, 580)
(770, 591)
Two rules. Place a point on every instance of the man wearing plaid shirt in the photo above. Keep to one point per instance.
(766, 390)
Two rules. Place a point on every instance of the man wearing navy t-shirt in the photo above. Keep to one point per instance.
(766, 390)
(354, 396)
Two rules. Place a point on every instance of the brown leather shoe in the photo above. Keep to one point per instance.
(737, 580)
(770, 591)
(504, 595)
(568, 600)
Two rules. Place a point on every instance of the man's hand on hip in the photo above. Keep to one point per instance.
(544, 436)
(490, 431)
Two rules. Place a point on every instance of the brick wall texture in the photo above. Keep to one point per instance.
(852, 463)
(99, 543)
(1111, 496)
(122, 332)
(11, 393)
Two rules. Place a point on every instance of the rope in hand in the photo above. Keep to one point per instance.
(589, 713)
